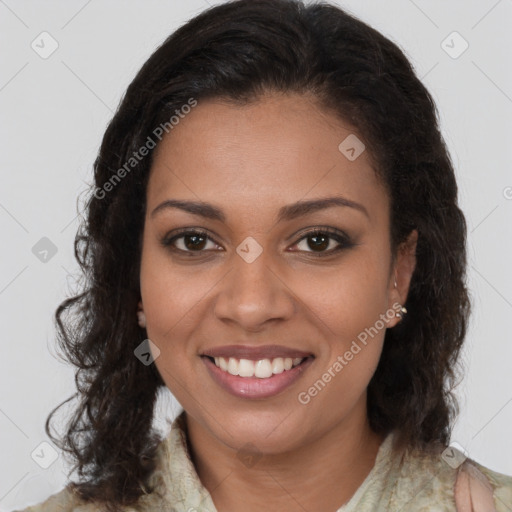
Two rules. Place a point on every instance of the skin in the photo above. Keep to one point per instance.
(250, 161)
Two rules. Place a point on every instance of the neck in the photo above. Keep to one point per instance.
(321, 475)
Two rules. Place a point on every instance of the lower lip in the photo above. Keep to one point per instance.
(254, 387)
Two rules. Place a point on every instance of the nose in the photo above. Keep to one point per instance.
(253, 293)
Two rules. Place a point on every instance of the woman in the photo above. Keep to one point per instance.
(274, 236)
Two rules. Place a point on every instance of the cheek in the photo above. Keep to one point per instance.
(347, 306)
(349, 297)
(170, 292)
(172, 304)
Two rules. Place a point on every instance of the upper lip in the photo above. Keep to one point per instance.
(254, 353)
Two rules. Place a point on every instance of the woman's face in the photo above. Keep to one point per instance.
(259, 276)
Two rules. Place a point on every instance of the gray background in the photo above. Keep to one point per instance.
(54, 112)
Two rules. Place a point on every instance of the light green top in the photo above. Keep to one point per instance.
(399, 481)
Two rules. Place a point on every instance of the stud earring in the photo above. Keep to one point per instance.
(141, 317)
(403, 310)
(400, 314)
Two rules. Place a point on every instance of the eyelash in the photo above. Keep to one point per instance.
(343, 240)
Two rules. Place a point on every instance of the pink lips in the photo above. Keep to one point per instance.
(255, 387)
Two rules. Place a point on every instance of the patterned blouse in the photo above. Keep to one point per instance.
(407, 481)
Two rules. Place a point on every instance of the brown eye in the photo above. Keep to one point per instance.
(318, 242)
(190, 241)
(194, 242)
(324, 241)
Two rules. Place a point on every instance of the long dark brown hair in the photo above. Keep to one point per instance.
(237, 51)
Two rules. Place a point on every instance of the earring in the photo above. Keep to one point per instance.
(141, 317)
(403, 310)
(400, 314)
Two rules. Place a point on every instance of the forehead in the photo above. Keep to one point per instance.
(279, 149)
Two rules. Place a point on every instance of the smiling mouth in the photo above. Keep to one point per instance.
(262, 368)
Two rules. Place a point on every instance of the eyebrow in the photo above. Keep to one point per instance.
(286, 213)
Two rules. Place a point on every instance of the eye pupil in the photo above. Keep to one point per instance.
(196, 243)
(323, 244)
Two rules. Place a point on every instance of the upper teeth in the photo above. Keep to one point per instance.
(262, 368)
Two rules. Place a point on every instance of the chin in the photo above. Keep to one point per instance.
(262, 432)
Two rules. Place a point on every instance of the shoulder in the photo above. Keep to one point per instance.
(502, 487)
(63, 501)
(67, 501)
(426, 477)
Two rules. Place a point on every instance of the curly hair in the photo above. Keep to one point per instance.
(238, 51)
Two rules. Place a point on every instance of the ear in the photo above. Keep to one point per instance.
(401, 274)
